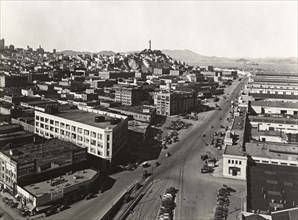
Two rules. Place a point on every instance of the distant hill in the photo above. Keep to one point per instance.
(192, 57)
(106, 52)
(189, 56)
(75, 53)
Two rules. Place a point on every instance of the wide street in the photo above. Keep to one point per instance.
(196, 195)
(197, 192)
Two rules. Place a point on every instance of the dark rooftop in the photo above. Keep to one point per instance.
(279, 183)
(50, 148)
(279, 120)
(273, 96)
(275, 104)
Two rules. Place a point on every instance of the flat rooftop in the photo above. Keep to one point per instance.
(136, 109)
(278, 182)
(273, 133)
(273, 96)
(272, 150)
(275, 104)
(137, 126)
(269, 119)
(86, 118)
(8, 127)
(48, 149)
(41, 188)
(234, 150)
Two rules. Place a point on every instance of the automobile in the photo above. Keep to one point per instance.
(61, 208)
(206, 169)
(145, 174)
(168, 154)
(157, 163)
(89, 196)
(222, 126)
(145, 164)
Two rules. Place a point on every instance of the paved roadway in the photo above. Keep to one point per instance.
(181, 170)
(196, 195)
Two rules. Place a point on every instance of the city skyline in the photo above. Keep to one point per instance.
(268, 29)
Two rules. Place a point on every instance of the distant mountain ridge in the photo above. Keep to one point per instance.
(190, 56)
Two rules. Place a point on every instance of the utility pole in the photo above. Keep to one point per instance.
(149, 44)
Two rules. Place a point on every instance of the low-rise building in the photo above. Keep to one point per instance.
(267, 107)
(139, 113)
(27, 162)
(284, 124)
(64, 187)
(235, 159)
(13, 81)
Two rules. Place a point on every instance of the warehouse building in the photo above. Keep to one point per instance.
(102, 133)
(30, 162)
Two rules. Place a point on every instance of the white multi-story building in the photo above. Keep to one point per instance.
(102, 133)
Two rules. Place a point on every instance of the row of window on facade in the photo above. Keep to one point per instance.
(67, 127)
(72, 136)
(235, 162)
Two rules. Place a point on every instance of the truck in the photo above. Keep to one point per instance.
(206, 169)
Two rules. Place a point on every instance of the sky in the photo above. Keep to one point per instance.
(213, 28)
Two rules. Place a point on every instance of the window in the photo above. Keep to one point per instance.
(93, 134)
(46, 120)
(41, 119)
(37, 117)
(51, 122)
(80, 138)
(86, 132)
(41, 125)
(62, 125)
(240, 162)
(236, 161)
(67, 127)
(73, 128)
(232, 161)
(93, 142)
(57, 123)
(80, 130)
(229, 161)
(37, 123)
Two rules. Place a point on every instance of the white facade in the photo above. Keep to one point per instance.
(266, 126)
(234, 166)
(98, 141)
(274, 110)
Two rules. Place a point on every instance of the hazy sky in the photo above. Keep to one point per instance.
(218, 28)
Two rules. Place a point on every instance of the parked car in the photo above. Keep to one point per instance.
(89, 196)
(168, 154)
(145, 164)
(157, 163)
(145, 174)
